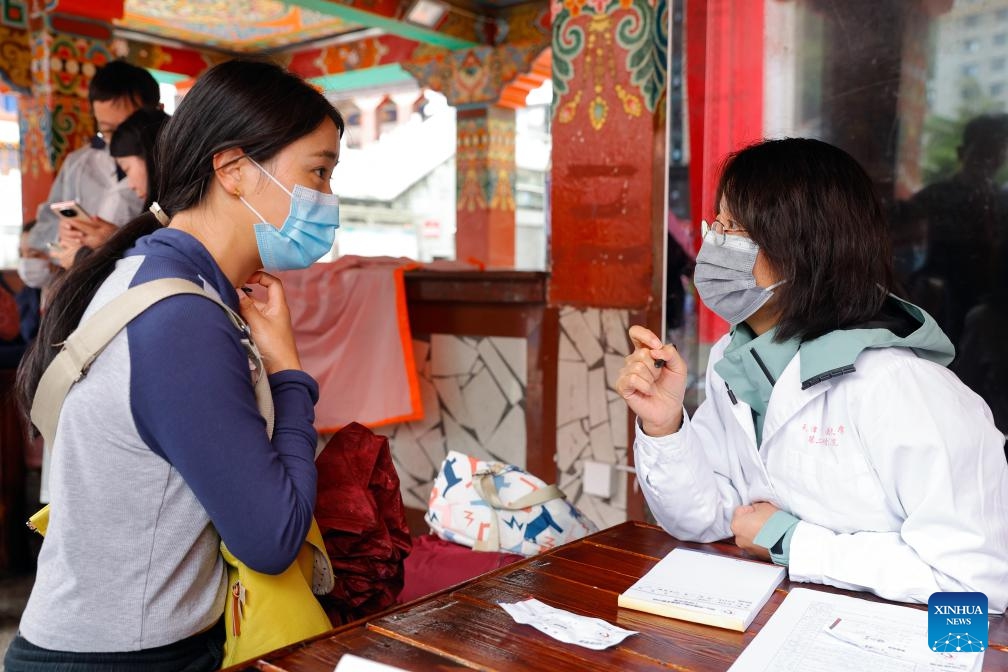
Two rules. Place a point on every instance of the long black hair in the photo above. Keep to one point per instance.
(136, 137)
(815, 213)
(253, 105)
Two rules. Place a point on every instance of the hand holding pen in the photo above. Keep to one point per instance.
(653, 383)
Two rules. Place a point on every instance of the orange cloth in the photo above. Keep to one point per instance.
(354, 338)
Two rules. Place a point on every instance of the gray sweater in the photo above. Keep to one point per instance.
(160, 452)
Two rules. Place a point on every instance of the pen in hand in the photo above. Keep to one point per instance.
(660, 363)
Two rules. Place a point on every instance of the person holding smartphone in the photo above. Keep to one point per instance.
(63, 251)
(89, 176)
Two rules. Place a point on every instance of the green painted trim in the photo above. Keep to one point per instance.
(165, 77)
(361, 79)
(389, 25)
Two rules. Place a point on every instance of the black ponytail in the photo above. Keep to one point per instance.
(68, 298)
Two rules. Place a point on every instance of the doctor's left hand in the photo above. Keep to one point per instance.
(746, 523)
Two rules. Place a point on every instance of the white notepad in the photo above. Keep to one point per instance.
(704, 588)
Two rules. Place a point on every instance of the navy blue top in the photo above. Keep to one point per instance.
(194, 404)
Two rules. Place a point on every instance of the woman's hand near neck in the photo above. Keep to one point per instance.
(218, 226)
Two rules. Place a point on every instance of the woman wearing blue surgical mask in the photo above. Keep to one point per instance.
(833, 440)
(161, 452)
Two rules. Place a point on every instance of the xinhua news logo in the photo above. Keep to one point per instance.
(957, 622)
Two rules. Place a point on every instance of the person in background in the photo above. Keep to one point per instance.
(38, 275)
(161, 451)
(966, 218)
(20, 303)
(833, 439)
(11, 345)
(37, 272)
(132, 147)
(982, 362)
(89, 175)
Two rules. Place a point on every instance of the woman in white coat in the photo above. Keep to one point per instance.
(833, 439)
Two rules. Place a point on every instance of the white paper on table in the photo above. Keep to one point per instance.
(713, 589)
(352, 663)
(592, 633)
(815, 631)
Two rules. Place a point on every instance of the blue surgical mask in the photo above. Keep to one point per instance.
(306, 235)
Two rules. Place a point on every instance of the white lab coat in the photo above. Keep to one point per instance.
(896, 471)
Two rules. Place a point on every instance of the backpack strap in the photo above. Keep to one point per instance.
(94, 334)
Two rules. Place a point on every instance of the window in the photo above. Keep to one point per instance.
(998, 64)
(1002, 15)
(1001, 39)
(970, 70)
(971, 46)
(973, 20)
(997, 89)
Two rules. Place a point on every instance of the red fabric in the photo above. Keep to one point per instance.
(436, 564)
(10, 320)
(363, 521)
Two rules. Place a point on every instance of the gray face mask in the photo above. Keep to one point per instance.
(724, 277)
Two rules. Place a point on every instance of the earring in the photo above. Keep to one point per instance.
(237, 192)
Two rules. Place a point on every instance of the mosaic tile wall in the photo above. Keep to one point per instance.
(473, 392)
(591, 416)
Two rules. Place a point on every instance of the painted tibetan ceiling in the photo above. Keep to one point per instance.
(231, 25)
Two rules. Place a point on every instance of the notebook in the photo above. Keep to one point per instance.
(704, 588)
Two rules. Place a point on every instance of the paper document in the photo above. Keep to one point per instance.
(814, 631)
(352, 663)
(592, 633)
(704, 588)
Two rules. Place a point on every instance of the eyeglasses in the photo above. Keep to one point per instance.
(721, 230)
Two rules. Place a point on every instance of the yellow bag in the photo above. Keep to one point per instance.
(263, 611)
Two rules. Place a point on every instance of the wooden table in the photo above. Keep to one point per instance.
(463, 628)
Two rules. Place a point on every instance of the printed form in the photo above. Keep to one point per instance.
(814, 631)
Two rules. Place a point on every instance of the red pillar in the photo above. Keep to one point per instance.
(608, 174)
(725, 43)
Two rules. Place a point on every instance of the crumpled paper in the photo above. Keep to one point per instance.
(564, 626)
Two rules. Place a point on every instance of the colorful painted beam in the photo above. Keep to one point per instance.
(335, 59)
(382, 75)
(168, 59)
(474, 76)
(388, 23)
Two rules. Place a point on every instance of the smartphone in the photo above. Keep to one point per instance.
(70, 210)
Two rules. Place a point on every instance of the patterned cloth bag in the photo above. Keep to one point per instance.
(492, 506)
